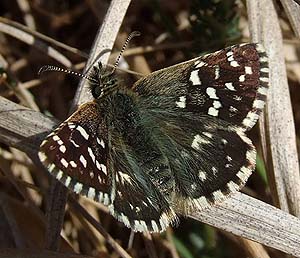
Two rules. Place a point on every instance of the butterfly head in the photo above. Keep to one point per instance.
(102, 81)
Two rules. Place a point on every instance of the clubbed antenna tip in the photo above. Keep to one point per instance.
(53, 68)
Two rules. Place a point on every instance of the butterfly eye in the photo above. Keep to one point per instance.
(97, 91)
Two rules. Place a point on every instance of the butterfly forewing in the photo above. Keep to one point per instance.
(76, 154)
(230, 84)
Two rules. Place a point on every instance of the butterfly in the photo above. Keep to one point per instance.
(173, 142)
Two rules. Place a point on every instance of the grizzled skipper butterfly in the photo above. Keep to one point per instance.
(173, 142)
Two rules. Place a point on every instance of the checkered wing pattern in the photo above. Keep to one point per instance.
(230, 84)
(76, 154)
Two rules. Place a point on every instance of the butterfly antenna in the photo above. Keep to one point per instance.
(53, 68)
(131, 35)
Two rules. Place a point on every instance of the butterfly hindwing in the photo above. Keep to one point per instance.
(207, 157)
(139, 204)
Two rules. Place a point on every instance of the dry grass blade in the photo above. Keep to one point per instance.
(292, 10)
(27, 14)
(250, 218)
(105, 40)
(241, 215)
(264, 27)
(42, 37)
(28, 38)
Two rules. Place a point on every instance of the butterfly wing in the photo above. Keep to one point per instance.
(77, 157)
(230, 84)
(203, 108)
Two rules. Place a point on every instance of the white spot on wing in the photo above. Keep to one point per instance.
(106, 199)
(91, 154)
(264, 70)
(242, 78)
(82, 132)
(71, 125)
(64, 162)
(213, 112)
(78, 188)
(207, 134)
(233, 187)
(214, 170)
(211, 92)
(103, 168)
(74, 143)
(198, 140)
(264, 79)
(229, 86)
(73, 164)
(51, 167)
(232, 109)
(83, 161)
(217, 104)
(59, 175)
(42, 156)
(263, 59)
(234, 64)
(224, 141)
(218, 195)
(248, 70)
(194, 78)
(228, 158)
(154, 226)
(202, 175)
(229, 53)
(102, 143)
(217, 72)
(68, 181)
(181, 103)
(124, 219)
(202, 202)
(91, 193)
(230, 59)
(55, 138)
(62, 148)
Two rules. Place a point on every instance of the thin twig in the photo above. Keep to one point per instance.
(22, 34)
(42, 37)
